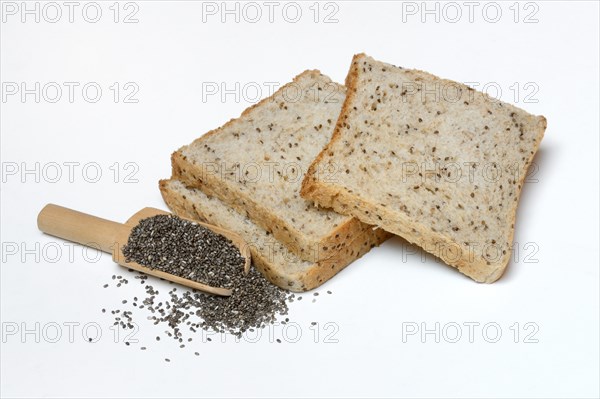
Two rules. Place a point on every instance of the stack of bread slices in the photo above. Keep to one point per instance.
(316, 175)
(246, 176)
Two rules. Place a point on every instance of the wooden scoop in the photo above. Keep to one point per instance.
(111, 237)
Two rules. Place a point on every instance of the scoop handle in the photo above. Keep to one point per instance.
(78, 227)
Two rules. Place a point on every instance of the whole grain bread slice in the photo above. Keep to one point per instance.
(280, 266)
(256, 164)
(431, 160)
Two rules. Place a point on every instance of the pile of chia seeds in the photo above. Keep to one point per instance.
(189, 250)
(184, 249)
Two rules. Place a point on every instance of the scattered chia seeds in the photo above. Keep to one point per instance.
(184, 249)
(254, 303)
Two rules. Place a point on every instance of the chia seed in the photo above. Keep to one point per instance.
(184, 249)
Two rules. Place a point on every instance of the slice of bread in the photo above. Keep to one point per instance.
(273, 259)
(431, 160)
(256, 164)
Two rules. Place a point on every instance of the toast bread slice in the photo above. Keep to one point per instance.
(431, 160)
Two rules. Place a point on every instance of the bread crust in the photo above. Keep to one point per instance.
(341, 200)
(311, 277)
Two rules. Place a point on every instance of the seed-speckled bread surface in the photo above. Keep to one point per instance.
(280, 266)
(256, 164)
(431, 160)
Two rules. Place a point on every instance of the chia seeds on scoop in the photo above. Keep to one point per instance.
(184, 249)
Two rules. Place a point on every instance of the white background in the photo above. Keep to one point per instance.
(171, 54)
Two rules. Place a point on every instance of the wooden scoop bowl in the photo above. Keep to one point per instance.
(111, 237)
